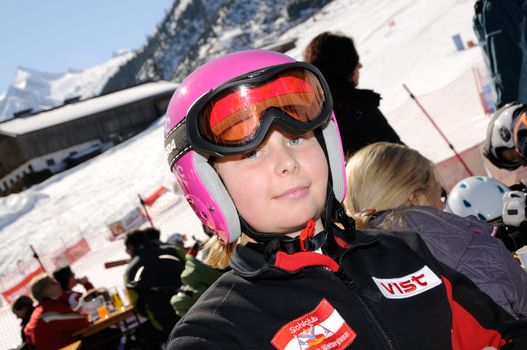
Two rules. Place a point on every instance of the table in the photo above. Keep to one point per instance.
(73, 346)
(113, 318)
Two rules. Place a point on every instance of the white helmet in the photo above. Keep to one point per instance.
(480, 196)
(500, 135)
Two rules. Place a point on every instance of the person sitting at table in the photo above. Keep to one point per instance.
(151, 278)
(23, 308)
(68, 281)
(53, 321)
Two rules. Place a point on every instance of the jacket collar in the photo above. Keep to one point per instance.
(254, 259)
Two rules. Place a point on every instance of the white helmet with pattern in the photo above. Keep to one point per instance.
(480, 196)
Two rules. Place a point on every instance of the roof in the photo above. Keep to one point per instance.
(19, 126)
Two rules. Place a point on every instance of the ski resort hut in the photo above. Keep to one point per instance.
(34, 147)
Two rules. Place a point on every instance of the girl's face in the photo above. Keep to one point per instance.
(279, 186)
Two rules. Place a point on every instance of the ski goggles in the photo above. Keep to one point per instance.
(237, 116)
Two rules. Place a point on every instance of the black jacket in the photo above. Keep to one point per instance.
(152, 277)
(359, 118)
(378, 292)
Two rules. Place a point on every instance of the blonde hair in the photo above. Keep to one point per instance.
(218, 253)
(39, 284)
(383, 176)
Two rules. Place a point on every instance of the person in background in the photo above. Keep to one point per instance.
(501, 29)
(151, 278)
(153, 234)
(251, 138)
(490, 200)
(359, 118)
(68, 281)
(197, 277)
(23, 308)
(506, 143)
(394, 187)
(53, 321)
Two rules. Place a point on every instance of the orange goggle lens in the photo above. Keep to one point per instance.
(234, 116)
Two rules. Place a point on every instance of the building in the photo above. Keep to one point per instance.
(32, 148)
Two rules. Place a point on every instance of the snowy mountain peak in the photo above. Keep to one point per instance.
(32, 89)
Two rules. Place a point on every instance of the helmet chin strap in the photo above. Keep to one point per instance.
(307, 241)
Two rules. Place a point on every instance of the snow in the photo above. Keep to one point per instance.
(418, 51)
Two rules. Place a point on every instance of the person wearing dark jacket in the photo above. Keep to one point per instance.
(501, 29)
(251, 139)
(23, 308)
(359, 118)
(151, 278)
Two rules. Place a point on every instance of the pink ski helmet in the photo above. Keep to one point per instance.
(200, 118)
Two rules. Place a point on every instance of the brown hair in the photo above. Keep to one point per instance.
(22, 302)
(383, 176)
(333, 54)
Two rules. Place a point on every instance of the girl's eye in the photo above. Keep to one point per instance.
(296, 140)
(251, 154)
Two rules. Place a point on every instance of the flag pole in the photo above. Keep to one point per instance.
(35, 255)
(438, 130)
(146, 211)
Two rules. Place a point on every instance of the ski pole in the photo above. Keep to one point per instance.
(438, 130)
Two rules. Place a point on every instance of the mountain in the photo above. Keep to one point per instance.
(38, 91)
(191, 33)
(196, 31)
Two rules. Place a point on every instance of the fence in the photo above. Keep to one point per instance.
(461, 110)
(170, 213)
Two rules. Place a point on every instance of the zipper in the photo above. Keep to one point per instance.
(366, 305)
(351, 284)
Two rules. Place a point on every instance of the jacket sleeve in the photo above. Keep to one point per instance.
(477, 321)
(196, 336)
(71, 322)
(516, 283)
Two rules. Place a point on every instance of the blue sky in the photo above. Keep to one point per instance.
(55, 35)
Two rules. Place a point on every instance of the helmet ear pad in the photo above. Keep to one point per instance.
(222, 213)
(335, 157)
(207, 196)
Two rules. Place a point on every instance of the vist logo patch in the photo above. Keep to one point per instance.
(321, 329)
(409, 285)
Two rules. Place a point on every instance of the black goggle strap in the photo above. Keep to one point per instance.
(177, 143)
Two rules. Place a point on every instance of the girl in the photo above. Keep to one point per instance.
(406, 196)
(255, 147)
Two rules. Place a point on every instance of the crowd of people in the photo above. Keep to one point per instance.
(162, 282)
(325, 228)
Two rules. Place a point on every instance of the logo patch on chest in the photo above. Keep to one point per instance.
(321, 329)
(409, 285)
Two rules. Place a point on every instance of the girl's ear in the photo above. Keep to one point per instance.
(417, 198)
